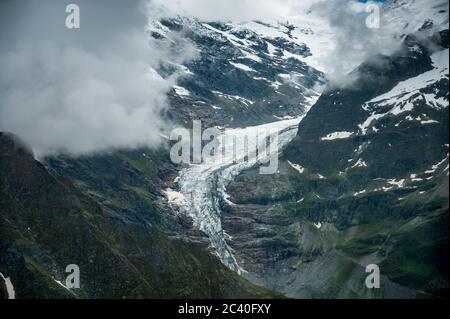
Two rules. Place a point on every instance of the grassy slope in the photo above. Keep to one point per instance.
(46, 223)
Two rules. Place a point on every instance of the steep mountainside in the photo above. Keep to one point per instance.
(255, 77)
(365, 181)
(243, 74)
(47, 224)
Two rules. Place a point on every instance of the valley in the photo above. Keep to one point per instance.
(313, 178)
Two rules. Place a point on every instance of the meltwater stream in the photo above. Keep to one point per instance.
(203, 186)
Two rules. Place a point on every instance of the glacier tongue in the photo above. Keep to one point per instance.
(203, 186)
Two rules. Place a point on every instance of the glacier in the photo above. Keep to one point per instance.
(203, 187)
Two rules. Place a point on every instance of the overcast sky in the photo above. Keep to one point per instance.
(235, 10)
(82, 90)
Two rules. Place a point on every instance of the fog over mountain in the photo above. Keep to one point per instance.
(82, 90)
(95, 88)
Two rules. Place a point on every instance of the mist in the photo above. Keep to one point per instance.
(83, 90)
(96, 88)
(232, 10)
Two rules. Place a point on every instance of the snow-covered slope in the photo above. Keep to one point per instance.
(243, 73)
(374, 152)
(419, 90)
(366, 178)
(303, 30)
(408, 16)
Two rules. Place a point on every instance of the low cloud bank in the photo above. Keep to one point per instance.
(82, 90)
(95, 88)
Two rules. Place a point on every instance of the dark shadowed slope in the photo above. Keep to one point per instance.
(46, 224)
(365, 181)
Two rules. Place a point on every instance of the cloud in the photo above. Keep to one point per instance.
(96, 88)
(350, 41)
(353, 40)
(232, 10)
(85, 90)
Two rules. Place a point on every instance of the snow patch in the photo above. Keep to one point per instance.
(242, 67)
(297, 167)
(181, 91)
(360, 163)
(241, 99)
(60, 283)
(360, 192)
(337, 135)
(174, 197)
(399, 183)
(429, 122)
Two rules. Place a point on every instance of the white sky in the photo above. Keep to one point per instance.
(235, 10)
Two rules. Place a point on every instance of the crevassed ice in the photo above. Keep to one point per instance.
(203, 186)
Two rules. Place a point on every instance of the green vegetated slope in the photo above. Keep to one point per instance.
(46, 223)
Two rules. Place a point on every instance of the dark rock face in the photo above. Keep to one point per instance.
(46, 224)
(352, 192)
(236, 81)
(340, 110)
(388, 142)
